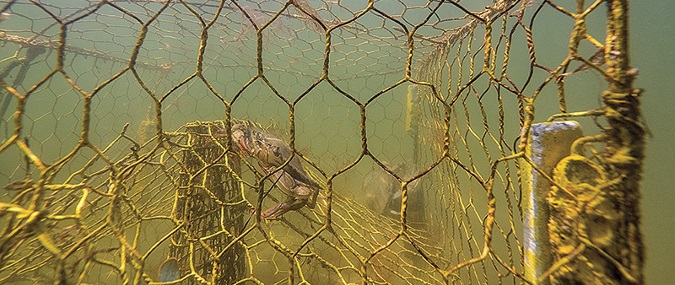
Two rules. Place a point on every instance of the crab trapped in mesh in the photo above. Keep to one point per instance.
(279, 141)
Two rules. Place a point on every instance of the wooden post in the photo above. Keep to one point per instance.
(624, 151)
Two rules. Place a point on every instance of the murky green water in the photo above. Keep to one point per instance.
(325, 119)
(652, 38)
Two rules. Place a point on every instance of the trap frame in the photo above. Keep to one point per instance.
(111, 166)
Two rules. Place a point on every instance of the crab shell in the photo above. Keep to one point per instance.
(294, 188)
(270, 151)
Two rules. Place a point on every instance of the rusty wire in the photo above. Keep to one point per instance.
(111, 164)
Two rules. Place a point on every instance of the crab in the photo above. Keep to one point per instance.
(272, 153)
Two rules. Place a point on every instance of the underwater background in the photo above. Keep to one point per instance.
(652, 38)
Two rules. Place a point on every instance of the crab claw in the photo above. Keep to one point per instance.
(239, 136)
(290, 204)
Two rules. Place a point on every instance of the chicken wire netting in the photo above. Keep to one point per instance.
(120, 162)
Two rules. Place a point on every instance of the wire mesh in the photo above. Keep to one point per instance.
(119, 164)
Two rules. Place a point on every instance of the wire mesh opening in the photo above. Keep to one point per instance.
(120, 163)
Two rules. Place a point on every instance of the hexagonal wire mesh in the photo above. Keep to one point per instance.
(118, 162)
